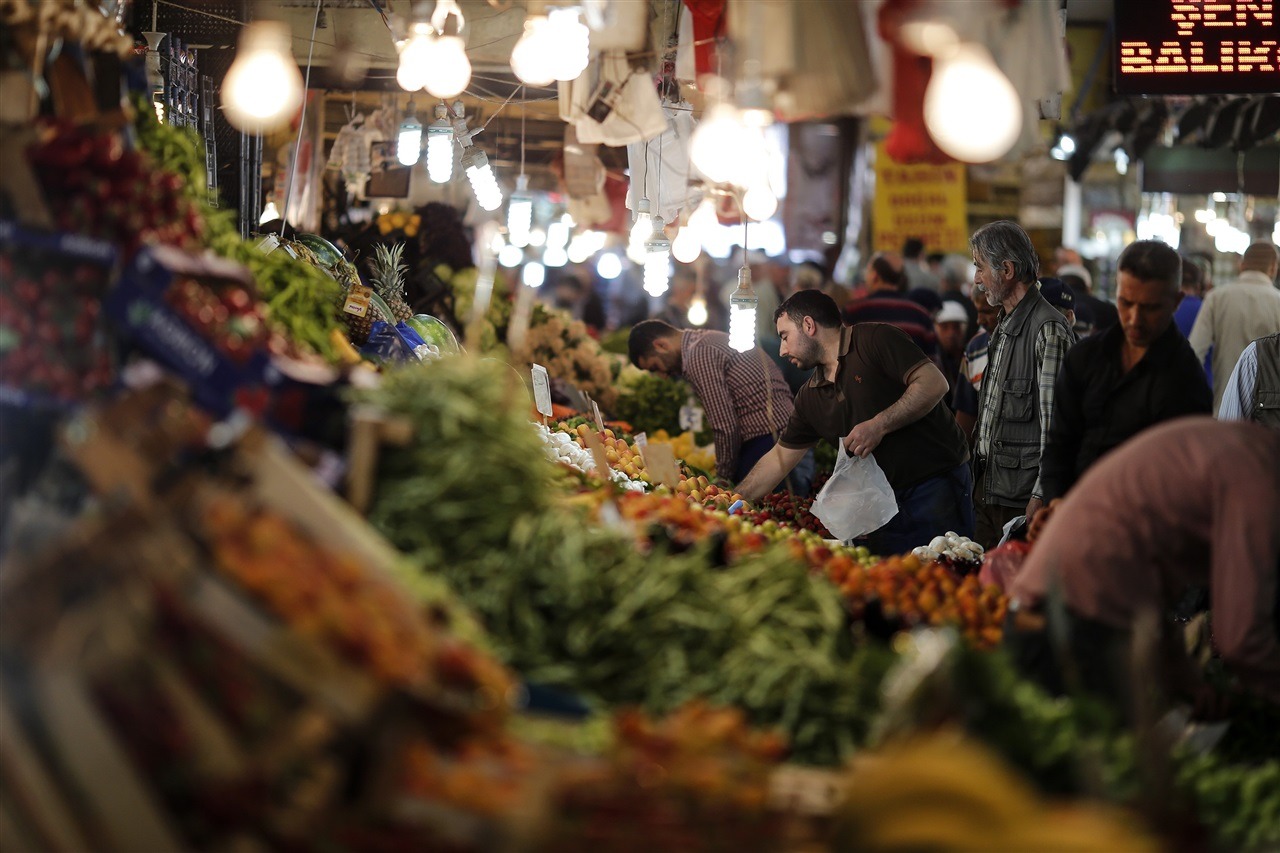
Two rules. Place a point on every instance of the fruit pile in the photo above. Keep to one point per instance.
(51, 341)
(700, 490)
(623, 456)
(114, 194)
(785, 509)
(697, 780)
(320, 594)
(568, 449)
(229, 316)
(902, 592)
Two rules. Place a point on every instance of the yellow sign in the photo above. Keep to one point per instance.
(922, 201)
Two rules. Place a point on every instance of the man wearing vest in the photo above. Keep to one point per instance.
(1253, 391)
(1017, 400)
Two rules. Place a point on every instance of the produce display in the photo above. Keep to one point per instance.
(52, 343)
(225, 313)
(953, 550)
(652, 403)
(685, 447)
(569, 448)
(562, 345)
(789, 510)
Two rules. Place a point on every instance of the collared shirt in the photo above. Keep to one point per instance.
(1099, 405)
(743, 393)
(1237, 397)
(873, 361)
(1231, 317)
(1052, 342)
(1190, 502)
(886, 306)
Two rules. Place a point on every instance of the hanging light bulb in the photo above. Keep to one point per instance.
(520, 213)
(440, 147)
(269, 213)
(537, 237)
(534, 274)
(555, 46)
(704, 220)
(686, 247)
(528, 57)
(580, 248)
(483, 183)
(510, 256)
(263, 87)
(965, 83)
(448, 69)
(714, 143)
(742, 313)
(657, 261)
(414, 56)
(609, 266)
(698, 311)
(409, 140)
(558, 234)
(759, 202)
(643, 227)
(555, 256)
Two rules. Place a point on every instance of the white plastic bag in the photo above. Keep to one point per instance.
(857, 499)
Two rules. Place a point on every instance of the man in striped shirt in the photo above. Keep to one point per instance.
(745, 398)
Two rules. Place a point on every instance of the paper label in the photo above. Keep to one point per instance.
(660, 460)
(691, 418)
(597, 453)
(599, 420)
(541, 390)
(642, 441)
(358, 299)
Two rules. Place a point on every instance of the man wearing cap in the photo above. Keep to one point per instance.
(1057, 294)
(1130, 377)
(951, 322)
(1077, 278)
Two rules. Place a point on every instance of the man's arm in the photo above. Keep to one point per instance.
(1237, 395)
(1058, 459)
(1051, 350)
(1201, 337)
(926, 386)
(769, 471)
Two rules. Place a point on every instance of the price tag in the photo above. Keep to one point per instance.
(358, 300)
(597, 453)
(596, 411)
(660, 459)
(541, 390)
(642, 441)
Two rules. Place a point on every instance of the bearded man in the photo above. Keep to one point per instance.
(875, 392)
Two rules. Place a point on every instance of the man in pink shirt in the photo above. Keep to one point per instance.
(1193, 502)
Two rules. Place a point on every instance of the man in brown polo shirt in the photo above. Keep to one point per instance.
(877, 393)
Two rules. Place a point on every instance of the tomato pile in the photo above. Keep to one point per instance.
(229, 317)
(785, 509)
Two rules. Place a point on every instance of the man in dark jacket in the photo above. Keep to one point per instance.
(1133, 376)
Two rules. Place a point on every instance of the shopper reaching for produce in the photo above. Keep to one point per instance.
(879, 394)
(1191, 502)
(745, 398)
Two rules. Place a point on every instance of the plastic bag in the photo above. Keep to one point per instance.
(857, 499)
(1002, 564)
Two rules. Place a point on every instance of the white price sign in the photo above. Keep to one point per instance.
(542, 390)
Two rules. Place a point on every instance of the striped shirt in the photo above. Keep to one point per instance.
(743, 393)
(1052, 343)
(1237, 396)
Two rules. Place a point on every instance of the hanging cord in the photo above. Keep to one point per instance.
(522, 112)
(302, 122)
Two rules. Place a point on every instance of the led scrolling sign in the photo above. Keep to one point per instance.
(1192, 47)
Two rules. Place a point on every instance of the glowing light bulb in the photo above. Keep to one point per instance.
(742, 313)
(1206, 215)
(534, 274)
(759, 202)
(483, 183)
(643, 228)
(716, 144)
(263, 87)
(698, 311)
(570, 43)
(657, 263)
(558, 235)
(555, 256)
(686, 247)
(414, 55)
(510, 256)
(440, 147)
(409, 141)
(704, 219)
(520, 213)
(537, 237)
(447, 69)
(528, 58)
(609, 266)
(269, 213)
(966, 83)
(1216, 227)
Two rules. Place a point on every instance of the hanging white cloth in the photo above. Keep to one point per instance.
(635, 111)
(660, 168)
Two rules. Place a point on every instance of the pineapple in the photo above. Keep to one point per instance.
(386, 275)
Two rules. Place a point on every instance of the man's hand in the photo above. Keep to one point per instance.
(1033, 506)
(864, 438)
